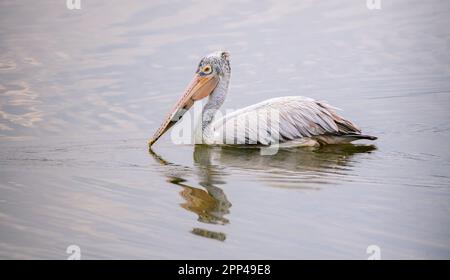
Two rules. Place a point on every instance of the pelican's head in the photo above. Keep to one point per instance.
(211, 69)
(216, 63)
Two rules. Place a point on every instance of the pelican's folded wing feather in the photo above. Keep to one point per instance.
(294, 117)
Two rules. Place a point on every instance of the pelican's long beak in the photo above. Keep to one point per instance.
(200, 87)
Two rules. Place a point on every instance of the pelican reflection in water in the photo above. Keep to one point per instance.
(290, 121)
(207, 200)
(210, 202)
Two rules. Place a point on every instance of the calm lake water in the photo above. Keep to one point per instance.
(81, 91)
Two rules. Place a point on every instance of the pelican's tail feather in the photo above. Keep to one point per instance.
(361, 136)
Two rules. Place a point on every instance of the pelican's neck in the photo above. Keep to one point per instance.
(215, 101)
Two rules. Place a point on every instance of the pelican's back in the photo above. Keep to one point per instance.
(291, 120)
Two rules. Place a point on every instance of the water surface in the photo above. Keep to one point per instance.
(82, 90)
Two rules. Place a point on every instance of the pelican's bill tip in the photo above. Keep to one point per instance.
(151, 142)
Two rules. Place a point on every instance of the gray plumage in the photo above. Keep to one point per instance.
(301, 121)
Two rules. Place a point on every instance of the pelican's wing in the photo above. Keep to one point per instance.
(294, 117)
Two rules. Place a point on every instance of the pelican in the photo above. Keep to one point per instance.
(299, 121)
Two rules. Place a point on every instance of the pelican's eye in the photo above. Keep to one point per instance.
(207, 69)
